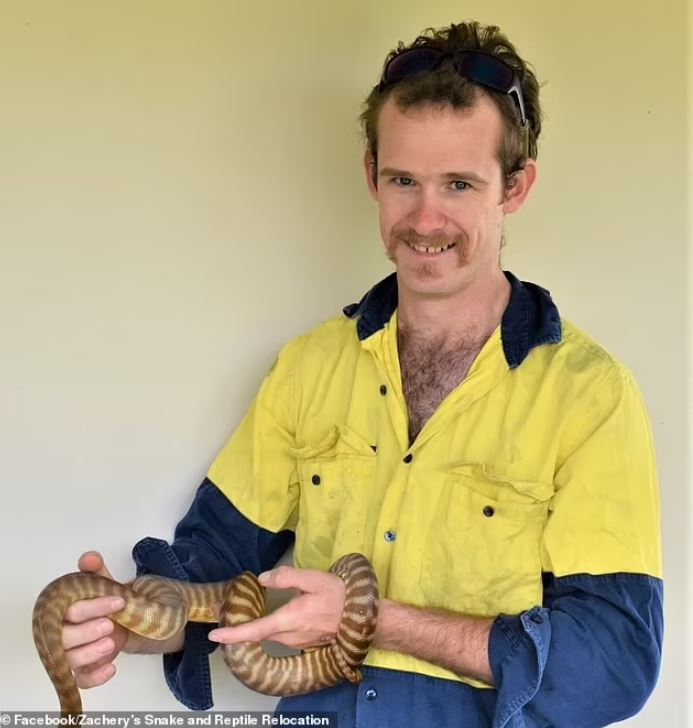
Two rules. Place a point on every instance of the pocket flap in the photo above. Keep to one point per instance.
(502, 487)
(339, 441)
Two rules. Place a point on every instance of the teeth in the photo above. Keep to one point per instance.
(422, 249)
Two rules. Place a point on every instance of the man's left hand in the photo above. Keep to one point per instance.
(310, 619)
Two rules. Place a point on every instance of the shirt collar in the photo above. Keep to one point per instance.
(530, 319)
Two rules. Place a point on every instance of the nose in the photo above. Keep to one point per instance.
(427, 215)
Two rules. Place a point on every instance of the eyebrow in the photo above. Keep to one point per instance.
(470, 176)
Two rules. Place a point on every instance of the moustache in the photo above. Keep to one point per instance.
(435, 240)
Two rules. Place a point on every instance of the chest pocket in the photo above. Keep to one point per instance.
(335, 477)
(483, 554)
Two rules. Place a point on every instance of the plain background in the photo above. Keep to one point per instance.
(181, 193)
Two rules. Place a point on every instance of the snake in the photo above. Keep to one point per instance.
(159, 607)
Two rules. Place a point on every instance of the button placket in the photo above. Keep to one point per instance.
(388, 375)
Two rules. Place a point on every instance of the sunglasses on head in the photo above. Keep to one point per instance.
(477, 66)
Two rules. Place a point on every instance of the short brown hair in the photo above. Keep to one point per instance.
(445, 87)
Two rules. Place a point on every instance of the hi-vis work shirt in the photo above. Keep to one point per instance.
(530, 496)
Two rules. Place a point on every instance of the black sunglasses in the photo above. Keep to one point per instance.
(477, 66)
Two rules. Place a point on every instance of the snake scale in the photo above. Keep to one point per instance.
(159, 608)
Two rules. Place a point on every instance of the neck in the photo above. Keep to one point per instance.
(476, 310)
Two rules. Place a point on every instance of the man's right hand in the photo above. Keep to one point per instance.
(91, 640)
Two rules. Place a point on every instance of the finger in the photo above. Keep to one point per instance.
(75, 635)
(302, 640)
(92, 561)
(287, 577)
(86, 609)
(255, 631)
(97, 676)
(88, 655)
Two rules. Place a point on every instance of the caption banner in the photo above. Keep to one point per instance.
(222, 719)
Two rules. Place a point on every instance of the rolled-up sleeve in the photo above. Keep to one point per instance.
(589, 657)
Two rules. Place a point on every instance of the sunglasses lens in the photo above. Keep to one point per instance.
(477, 66)
(410, 63)
(486, 70)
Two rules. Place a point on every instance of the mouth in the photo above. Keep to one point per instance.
(428, 250)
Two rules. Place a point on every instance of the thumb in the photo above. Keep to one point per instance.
(288, 577)
(92, 562)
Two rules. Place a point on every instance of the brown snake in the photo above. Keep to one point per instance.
(158, 608)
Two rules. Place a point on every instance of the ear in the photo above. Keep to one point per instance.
(370, 168)
(519, 187)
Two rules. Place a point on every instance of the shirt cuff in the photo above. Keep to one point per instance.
(518, 650)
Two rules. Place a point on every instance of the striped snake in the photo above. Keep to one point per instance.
(158, 608)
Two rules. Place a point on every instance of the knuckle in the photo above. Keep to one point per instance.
(81, 679)
(81, 610)
(281, 575)
(77, 658)
(73, 636)
(74, 613)
(86, 678)
(85, 633)
(89, 654)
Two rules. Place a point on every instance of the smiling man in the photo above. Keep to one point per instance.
(492, 461)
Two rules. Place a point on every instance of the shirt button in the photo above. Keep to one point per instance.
(383, 389)
(371, 694)
(390, 536)
(408, 458)
(488, 511)
(316, 480)
(537, 618)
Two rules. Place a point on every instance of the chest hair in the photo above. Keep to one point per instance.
(431, 368)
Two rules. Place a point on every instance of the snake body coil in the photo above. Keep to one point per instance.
(158, 608)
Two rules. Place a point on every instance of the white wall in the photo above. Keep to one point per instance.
(180, 193)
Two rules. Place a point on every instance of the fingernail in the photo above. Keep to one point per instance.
(264, 577)
(117, 603)
(214, 636)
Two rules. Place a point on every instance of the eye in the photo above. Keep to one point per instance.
(460, 185)
(403, 181)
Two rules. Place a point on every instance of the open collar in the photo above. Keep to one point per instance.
(531, 318)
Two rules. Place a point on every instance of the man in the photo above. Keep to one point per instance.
(493, 462)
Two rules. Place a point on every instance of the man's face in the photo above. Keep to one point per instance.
(440, 195)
